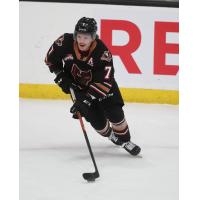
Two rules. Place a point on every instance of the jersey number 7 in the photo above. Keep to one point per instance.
(108, 72)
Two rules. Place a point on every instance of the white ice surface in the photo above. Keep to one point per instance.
(53, 155)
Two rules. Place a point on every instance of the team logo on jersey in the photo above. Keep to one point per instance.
(106, 56)
(60, 40)
(90, 62)
(68, 57)
(82, 77)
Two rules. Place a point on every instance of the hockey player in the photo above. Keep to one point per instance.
(83, 62)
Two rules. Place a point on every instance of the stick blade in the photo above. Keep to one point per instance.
(90, 177)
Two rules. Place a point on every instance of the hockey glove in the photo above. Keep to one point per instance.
(82, 106)
(63, 81)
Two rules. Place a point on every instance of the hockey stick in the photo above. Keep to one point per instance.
(86, 176)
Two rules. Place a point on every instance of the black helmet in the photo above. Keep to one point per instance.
(86, 25)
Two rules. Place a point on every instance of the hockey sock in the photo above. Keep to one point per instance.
(121, 130)
(106, 131)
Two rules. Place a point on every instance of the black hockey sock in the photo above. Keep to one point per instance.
(106, 131)
(121, 130)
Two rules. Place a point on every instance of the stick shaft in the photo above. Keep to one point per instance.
(84, 131)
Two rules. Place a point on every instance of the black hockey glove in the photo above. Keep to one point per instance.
(63, 81)
(81, 105)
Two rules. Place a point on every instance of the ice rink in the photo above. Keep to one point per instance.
(53, 155)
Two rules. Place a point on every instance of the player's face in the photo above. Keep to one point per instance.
(84, 41)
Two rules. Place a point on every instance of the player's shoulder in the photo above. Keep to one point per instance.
(63, 39)
(101, 46)
(68, 36)
(103, 51)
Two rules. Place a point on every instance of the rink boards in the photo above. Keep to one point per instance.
(52, 91)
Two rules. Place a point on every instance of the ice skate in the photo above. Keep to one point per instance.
(129, 146)
(132, 148)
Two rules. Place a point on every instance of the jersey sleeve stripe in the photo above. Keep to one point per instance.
(109, 85)
(97, 90)
(102, 87)
(47, 62)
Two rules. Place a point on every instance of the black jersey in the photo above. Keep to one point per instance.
(92, 71)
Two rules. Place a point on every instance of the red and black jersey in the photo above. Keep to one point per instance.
(93, 70)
